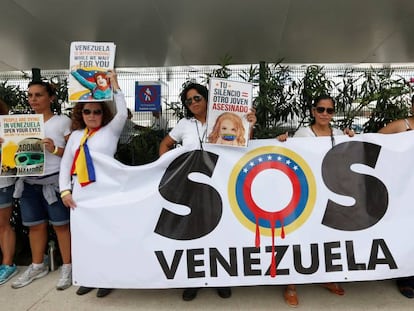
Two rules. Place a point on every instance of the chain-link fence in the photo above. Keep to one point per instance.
(171, 80)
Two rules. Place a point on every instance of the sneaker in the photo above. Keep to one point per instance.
(7, 272)
(65, 278)
(30, 275)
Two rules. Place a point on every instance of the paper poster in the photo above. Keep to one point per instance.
(229, 102)
(89, 63)
(22, 152)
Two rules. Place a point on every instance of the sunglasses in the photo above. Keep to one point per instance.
(322, 110)
(87, 112)
(189, 101)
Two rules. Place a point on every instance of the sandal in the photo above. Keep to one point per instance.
(290, 297)
(406, 291)
(334, 288)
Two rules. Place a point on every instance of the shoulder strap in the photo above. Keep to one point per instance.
(407, 125)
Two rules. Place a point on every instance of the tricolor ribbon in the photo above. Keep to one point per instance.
(82, 165)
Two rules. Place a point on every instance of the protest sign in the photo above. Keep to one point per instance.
(229, 102)
(89, 63)
(22, 152)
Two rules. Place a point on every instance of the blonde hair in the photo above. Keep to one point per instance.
(237, 121)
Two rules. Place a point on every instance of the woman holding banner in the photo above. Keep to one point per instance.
(323, 110)
(191, 133)
(405, 285)
(94, 129)
(191, 130)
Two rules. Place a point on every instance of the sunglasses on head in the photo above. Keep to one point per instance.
(322, 110)
(189, 101)
(87, 112)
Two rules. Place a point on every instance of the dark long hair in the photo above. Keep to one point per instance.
(201, 89)
(316, 102)
(50, 89)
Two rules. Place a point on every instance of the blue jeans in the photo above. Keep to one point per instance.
(35, 209)
(6, 196)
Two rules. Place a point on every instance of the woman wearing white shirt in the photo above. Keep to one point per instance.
(191, 133)
(95, 127)
(323, 110)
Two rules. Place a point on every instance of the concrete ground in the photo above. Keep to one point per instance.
(42, 295)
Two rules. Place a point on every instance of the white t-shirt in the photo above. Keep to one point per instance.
(189, 133)
(56, 128)
(307, 132)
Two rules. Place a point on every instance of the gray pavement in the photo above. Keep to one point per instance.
(42, 295)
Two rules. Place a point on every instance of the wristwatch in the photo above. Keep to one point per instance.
(117, 91)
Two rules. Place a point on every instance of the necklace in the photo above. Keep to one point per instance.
(200, 139)
(331, 134)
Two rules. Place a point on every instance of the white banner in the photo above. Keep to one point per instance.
(205, 218)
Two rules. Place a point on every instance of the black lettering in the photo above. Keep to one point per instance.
(169, 271)
(280, 252)
(373, 257)
(330, 256)
(203, 200)
(216, 256)
(350, 254)
(297, 259)
(368, 209)
(192, 263)
(248, 261)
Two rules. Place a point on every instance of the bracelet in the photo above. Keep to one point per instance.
(65, 193)
(56, 150)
